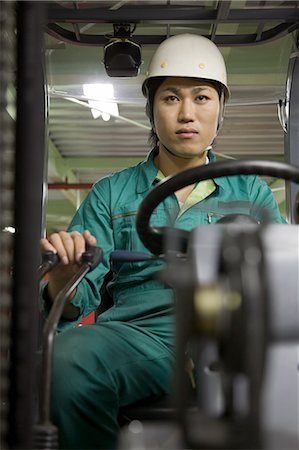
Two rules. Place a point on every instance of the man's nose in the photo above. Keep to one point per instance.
(186, 112)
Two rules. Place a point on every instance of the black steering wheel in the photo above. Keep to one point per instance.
(152, 237)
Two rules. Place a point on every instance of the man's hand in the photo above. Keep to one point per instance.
(69, 247)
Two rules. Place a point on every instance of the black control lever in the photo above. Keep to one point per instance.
(49, 261)
(46, 435)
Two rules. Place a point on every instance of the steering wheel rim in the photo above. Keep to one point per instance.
(152, 237)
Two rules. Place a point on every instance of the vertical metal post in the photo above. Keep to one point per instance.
(292, 130)
(7, 161)
(30, 156)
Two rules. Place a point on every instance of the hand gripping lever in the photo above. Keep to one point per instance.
(46, 435)
(49, 261)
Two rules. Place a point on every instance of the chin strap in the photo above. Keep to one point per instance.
(221, 111)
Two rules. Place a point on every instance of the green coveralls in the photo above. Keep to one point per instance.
(129, 353)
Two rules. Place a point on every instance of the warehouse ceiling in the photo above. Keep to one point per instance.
(256, 39)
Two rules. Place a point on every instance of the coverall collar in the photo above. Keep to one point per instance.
(148, 171)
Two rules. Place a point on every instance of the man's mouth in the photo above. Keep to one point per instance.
(186, 133)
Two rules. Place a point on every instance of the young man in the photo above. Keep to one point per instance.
(129, 353)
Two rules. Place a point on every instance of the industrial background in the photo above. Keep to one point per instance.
(52, 149)
(256, 39)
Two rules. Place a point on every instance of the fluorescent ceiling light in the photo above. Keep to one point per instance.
(101, 100)
(9, 229)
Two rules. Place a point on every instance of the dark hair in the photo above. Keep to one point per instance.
(150, 88)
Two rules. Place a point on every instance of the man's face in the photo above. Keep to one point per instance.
(186, 114)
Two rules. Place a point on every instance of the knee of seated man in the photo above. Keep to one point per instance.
(77, 368)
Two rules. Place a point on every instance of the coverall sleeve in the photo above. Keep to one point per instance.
(264, 204)
(93, 215)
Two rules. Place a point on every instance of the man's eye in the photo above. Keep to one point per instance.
(171, 98)
(202, 98)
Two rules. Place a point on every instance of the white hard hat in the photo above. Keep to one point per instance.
(188, 55)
